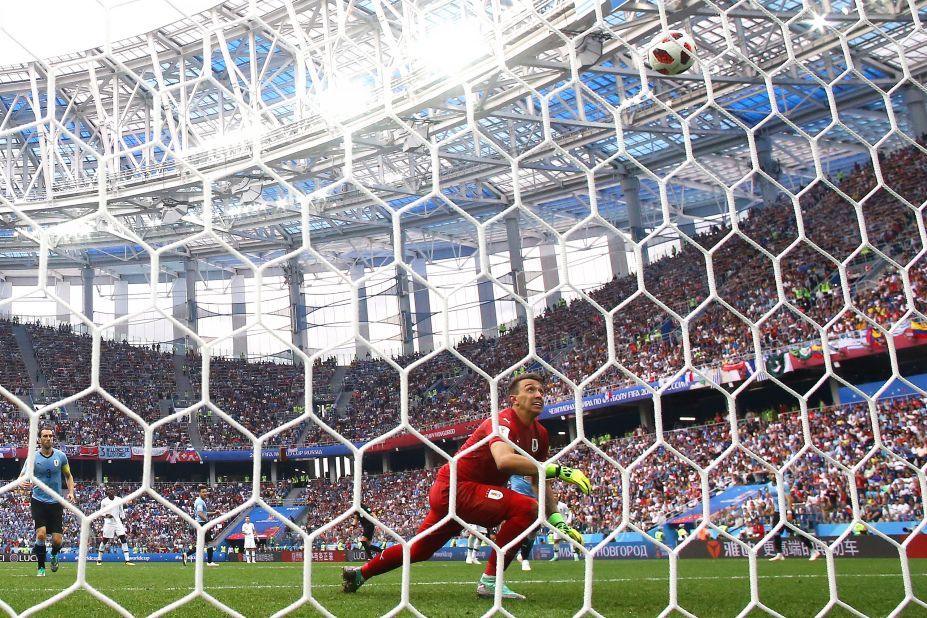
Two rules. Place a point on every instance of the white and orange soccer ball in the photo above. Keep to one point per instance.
(671, 52)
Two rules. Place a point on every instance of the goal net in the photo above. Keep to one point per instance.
(348, 226)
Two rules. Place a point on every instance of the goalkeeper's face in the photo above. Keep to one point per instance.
(529, 398)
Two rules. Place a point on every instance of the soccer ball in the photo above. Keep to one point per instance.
(671, 52)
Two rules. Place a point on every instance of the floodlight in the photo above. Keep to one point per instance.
(343, 98)
(448, 47)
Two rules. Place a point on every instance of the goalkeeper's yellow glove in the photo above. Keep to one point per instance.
(556, 520)
(571, 475)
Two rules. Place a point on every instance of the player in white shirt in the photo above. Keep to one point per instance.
(113, 528)
(564, 510)
(474, 543)
(247, 529)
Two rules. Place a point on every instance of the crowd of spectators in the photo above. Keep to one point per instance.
(648, 340)
(570, 336)
(140, 377)
(816, 479)
(259, 395)
(150, 526)
(13, 373)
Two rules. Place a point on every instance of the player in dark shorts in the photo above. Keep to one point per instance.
(368, 529)
(51, 466)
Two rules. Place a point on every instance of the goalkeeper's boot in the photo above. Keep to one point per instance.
(351, 579)
(54, 563)
(41, 572)
(487, 589)
(525, 565)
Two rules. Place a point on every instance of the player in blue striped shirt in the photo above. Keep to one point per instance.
(51, 465)
(202, 514)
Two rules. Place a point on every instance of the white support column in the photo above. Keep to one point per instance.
(63, 292)
(273, 471)
(424, 330)
(361, 349)
(6, 291)
(387, 465)
(687, 227)
(239, 318)
(550, 273)
(432, 460)
(212, 474)
(404, 301)
(293, 274)
(486, 293)
(517, 262)
(646, 414)
(914, 100)
(87, 281)
(98, 469)
(618, 256)
(191, 274)
(768, 165)
(631, 187)
(121, 307)
(179, 311)
(834, 391)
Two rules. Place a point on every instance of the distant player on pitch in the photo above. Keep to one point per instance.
(368, 529)
(482, 497)
(564, 509)
(113, 528)
(247, 529)
(202, 514)
(51, 465)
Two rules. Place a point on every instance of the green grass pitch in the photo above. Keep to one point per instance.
(622, 588)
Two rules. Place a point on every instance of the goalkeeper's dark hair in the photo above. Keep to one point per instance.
(513, 385)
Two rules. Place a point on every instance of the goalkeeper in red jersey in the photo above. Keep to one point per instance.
(482, 496)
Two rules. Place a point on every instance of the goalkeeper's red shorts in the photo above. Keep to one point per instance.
(479, 504)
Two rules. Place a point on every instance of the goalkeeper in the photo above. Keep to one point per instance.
(482, 497)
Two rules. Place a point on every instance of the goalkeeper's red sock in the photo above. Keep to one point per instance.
(423, 549)
(518, 522)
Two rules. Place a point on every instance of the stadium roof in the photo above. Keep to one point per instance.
(284, 115)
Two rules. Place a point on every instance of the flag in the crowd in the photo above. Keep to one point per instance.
(803, 353)
(919, 329)
(874, 338)
(778, 364)
(735, 372)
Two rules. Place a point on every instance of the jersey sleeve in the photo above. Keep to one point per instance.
(485, 429)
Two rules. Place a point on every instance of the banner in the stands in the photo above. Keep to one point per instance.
(451, 432)
(115, 452)
(849, 547)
